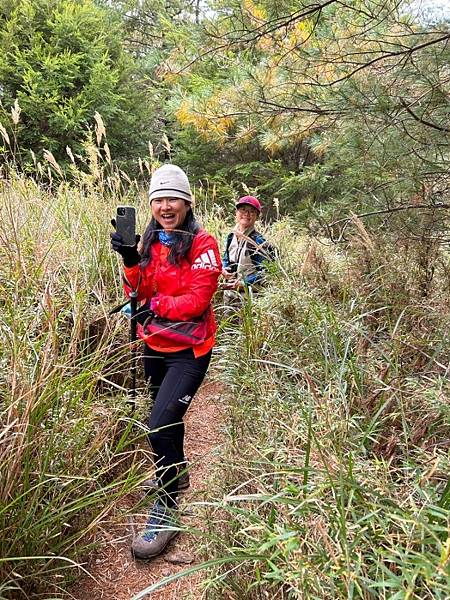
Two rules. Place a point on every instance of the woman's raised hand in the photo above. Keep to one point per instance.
(130, 254)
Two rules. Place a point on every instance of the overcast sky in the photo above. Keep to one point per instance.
(439, 8)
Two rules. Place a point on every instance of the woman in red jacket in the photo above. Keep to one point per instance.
(175, 275)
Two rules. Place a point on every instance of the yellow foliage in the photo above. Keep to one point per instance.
(284, 131)
(325, 72)
(271, 142)
(171, 77)
(257, 13)
(209, 119)
(265, 43)
(246, 134)
(299, 33)
(184, 112)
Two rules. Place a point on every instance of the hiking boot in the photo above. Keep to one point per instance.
(160, 529)
(184, 482)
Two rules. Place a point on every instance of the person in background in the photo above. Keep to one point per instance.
(175, 273)
(244, 256)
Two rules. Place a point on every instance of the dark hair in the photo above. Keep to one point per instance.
(183, 238)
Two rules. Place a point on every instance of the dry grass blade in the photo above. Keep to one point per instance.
(70, 155)
(100, 130)
(52, 160)
(4, 134)
(107, 153)
(15, 112)
(364, 236)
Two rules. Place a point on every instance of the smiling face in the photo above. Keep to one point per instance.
(170, 212)
(246, 216)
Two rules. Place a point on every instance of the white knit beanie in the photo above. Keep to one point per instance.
(169, 181)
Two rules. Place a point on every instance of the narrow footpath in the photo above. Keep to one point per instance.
(115, 574)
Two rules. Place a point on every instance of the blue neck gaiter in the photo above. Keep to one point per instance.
(166, 238)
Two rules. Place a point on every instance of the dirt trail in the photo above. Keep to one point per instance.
(117, 576)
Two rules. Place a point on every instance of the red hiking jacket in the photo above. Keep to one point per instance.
(184, 290)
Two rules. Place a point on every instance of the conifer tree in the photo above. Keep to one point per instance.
(63, 61)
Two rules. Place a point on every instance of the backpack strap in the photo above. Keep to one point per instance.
(227, 247)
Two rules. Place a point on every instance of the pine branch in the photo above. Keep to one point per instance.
(420, 119)
(387, 211)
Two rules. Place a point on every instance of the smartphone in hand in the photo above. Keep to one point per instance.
(126, 224)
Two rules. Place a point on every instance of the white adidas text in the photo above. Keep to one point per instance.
(207, 260)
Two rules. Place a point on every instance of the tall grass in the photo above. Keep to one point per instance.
(334, 482)
(66, 442)
(68, 450)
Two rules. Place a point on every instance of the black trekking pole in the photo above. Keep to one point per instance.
(133, 337)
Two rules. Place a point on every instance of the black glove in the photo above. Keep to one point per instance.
(130, 254)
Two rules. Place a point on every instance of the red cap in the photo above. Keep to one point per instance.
(251, 200)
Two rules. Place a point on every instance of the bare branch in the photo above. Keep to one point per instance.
(391, 210)
(421, 120)
(315, 109)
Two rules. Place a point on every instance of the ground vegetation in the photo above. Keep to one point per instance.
(334, 474)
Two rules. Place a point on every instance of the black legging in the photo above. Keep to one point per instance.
(174, 379)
